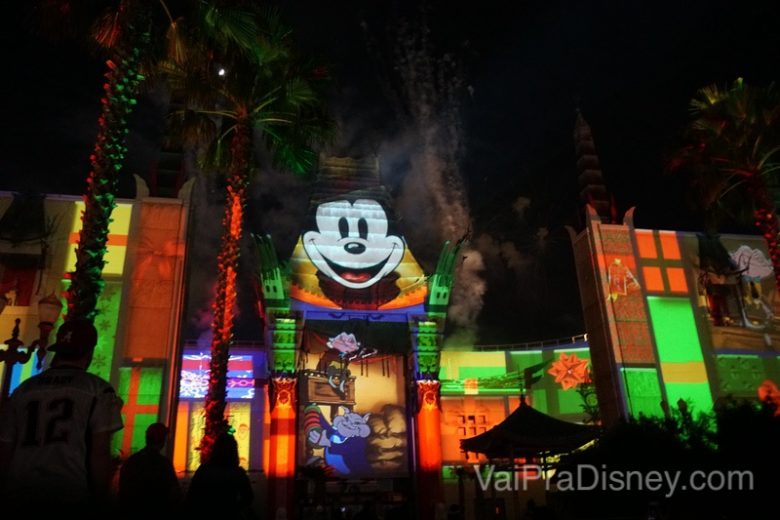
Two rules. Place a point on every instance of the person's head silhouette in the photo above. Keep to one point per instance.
(75, 345)
(225, 451)
(156, 436)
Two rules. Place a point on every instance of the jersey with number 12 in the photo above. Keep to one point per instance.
(49, 419)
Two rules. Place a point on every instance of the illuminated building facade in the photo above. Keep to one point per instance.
(353, 332)
(360, 389)
(139, 308)
(670, 315)
(351, 382)
(674, 315)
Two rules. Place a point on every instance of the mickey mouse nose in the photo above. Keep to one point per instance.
(354, 248)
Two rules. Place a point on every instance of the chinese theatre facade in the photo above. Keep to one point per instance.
(350, 395)
(353, 334)
(676, 316)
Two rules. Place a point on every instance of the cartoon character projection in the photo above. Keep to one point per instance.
(621, 279)
(345, 442)
(354, 253)
(755, 268)
(334, 362)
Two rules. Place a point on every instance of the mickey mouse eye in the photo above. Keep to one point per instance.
(343, 227)
(363, 228)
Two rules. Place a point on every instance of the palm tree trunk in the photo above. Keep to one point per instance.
(766, 222)
(123, 79)
(224, 304)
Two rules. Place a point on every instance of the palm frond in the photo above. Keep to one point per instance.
(65, 19)
(215, 158)
(176, 48)
(298, 92)
(292, 143)
(730, 146)
(229, 26)
(190, 128)
(108, 29)
(262, 79)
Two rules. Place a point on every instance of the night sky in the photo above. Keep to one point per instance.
(508, 93)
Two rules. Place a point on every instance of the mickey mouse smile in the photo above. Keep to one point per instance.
(356, 275)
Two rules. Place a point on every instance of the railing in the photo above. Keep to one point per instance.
(533, 345)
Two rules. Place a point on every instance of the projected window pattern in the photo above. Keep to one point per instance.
(194, 380)
(661, 262)
(471, 425)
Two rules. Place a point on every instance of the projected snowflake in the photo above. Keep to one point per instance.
(569, 371)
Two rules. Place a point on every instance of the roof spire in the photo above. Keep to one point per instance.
(593, 190)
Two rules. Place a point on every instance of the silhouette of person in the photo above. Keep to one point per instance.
(220, 487)
(55, 430)
(455, 512)
(367, 511)
(147, 480)
(531, 511)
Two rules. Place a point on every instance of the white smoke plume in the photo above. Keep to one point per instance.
(469, 289)
(502, 256)
(433, 192)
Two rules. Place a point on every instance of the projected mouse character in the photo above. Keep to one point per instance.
(345, 441)
(354, 253)
(334, 362)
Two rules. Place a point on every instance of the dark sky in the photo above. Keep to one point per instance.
(524, 67)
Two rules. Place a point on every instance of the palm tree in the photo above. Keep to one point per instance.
(232, 96)
(731, 154)
(132, 33)
(123, 30)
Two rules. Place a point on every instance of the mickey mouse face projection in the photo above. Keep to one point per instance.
(351, 245)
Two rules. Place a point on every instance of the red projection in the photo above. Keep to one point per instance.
(569, 371)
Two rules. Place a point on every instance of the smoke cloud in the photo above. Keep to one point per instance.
(433, 200)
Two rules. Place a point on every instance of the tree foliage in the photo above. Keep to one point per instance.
(233, 96)
(737, 436)
(730, 148)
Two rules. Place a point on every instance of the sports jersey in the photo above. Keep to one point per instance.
(49, 420)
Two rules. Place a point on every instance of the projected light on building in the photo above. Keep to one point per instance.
(193, 383)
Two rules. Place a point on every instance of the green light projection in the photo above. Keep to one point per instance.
(440, 283)
(643, 391)
(679, 351)
(105, 323)
(741, 374)
(284, 338)
(499, 373)
(675, 330)
(140, 391)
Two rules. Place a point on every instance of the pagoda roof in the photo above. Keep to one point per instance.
(529, 432)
